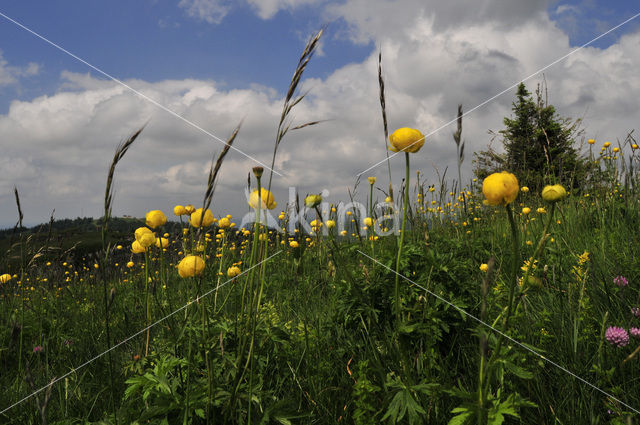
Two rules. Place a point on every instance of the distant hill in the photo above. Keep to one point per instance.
(72, 238)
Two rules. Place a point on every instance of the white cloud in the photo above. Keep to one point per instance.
(11, 74)
(211, 11)
(267, 9)
(60, 145)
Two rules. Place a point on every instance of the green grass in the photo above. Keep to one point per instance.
(327, 344)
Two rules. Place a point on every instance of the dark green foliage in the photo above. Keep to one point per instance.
(539, 146)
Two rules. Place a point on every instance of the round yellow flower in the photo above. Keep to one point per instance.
(484, 267)
(406, 139)
(388, 200)
(554, 193)
(372, 180)
(294, 244)
(634, 146)
(130, 264)
(189, 209)
(233, 271)
(591, 141)
(146, 240)
(224, 222)
(162, 242)
(190, 266)
(500, 188)
(266, 198)
(136, 248)
(5, 278)
(331, 224)
(179, 210)
(526, 210)
(141, 231)
(312, 201)
(541, 210)
(524, 189)
(156, 218)
(616, 149)
(197, 220)
(368, 221)
(606, 144)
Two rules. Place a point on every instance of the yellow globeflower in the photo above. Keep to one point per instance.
(189, 209)
(406, 139)
(190, 266)
(141, 231)
(484, 267)
(368, 221)
(541, 210)
(331, 224)
(224, 222)
(146, 240)
(591, 141)
(524, 189)
(312, 201)
(130, 264)
(554, 193)
(634, 146)
(500, 188)
(372, 180)
(5, 278)
(233, 271)
(294, 244)
(136, 248)
(606, 144)
(197, 220)
(162, 242)
(156, 218)
(526, 210)
(388, 200)
(616, 149)
(179, 210)
(266, 198)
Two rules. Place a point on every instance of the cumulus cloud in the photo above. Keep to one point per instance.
(60, 145)
(11, 74)
(214, 11)
(211, 11)
(267, 9)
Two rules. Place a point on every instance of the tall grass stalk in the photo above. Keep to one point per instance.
(405, 207)
(292, 99)
(121, 150)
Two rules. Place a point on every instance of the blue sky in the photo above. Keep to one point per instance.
(217, 62)
(155, 40)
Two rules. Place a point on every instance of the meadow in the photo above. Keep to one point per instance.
(484, 304)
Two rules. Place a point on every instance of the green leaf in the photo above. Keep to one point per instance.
(462, 418)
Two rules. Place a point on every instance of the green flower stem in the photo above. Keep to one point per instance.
(541, 242)
(515, 238)
(404, 222)
(146, 298)
(371, 228)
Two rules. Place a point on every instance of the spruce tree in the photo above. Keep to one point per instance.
(538, 145)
